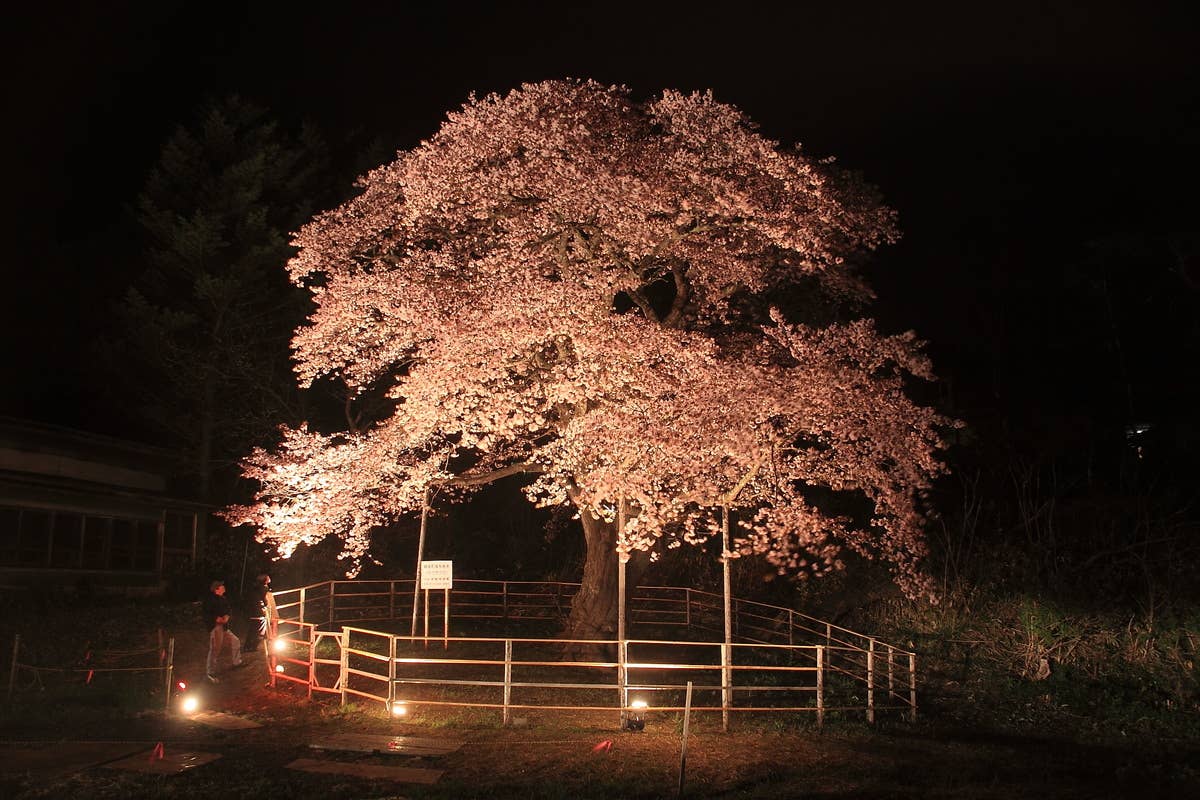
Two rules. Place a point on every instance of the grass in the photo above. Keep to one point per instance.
(984, 732)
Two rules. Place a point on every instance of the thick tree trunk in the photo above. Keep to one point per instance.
(594, 609)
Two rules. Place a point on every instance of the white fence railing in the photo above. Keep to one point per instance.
(780, 660)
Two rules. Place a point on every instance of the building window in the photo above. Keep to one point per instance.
(66, 544)
(33, 548)
(97, 532)
(68, 540)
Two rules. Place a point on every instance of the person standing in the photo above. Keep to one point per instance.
(262, 607)
(269, 626)
(217, 614)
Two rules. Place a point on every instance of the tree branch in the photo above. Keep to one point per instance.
(481, 478)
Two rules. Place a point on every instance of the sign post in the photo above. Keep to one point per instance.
(438, 575)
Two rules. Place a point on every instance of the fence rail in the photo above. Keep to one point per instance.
(779, 659)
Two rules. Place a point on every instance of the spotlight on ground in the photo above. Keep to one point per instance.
(635, 719)
(279, 646)
(189, 703)
(399, 708)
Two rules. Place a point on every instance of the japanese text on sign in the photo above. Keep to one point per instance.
(437, 574)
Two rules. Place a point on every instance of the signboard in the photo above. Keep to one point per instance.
(437, 574)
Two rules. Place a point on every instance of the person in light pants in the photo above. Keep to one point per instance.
(217, 614)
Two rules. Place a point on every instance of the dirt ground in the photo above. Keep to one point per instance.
(548, 755)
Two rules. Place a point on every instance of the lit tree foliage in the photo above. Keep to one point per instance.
(565, 283)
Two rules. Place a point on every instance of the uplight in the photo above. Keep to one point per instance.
(190, 704)
(279, 667)
(399, 708)
(279, 646)
(636, 720)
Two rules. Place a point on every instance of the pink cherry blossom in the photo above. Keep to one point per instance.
(563, 282)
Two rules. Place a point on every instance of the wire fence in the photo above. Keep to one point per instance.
(25, 674)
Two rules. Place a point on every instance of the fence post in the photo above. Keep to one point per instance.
(687, 718)
(726, 684)
(504, 601)
(687, 608)
(170, 670)
(912, 685)
(391, 692)
(12, 672)
(345, 677)
(891, 676)
(332, 596)
(507, 679)
(871, 681)
(391, 599)
(313, 639)
(303, 593)
(622, 682)
(820, 686)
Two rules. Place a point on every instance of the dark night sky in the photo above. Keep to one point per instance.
(1007, 139)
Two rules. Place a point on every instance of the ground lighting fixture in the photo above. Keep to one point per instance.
(399, 708)
(635, 719)
(279, 646)
(189, 703)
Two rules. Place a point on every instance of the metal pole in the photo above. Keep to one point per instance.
(170, 670)
(912, 684)
(446, 619)
(245, 553)
(820, 686)
(507, 680)
(313, 640)
(391, 599)
(622, 654)
(727, 645)
(12, 672)
(891, 675)
(391, 693)
(332, 601)
(420, 557)
(345, 665)
(687, 718)
(303, 596)
(871, 681)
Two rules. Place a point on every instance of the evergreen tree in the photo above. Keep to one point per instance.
(202, 356)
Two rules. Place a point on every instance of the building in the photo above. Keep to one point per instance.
(82, 511)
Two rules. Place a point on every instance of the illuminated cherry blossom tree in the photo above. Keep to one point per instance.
(566, 283)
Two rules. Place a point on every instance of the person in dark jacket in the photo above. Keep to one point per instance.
(217, 614)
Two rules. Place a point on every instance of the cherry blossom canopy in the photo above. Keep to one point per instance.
(567, 283)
